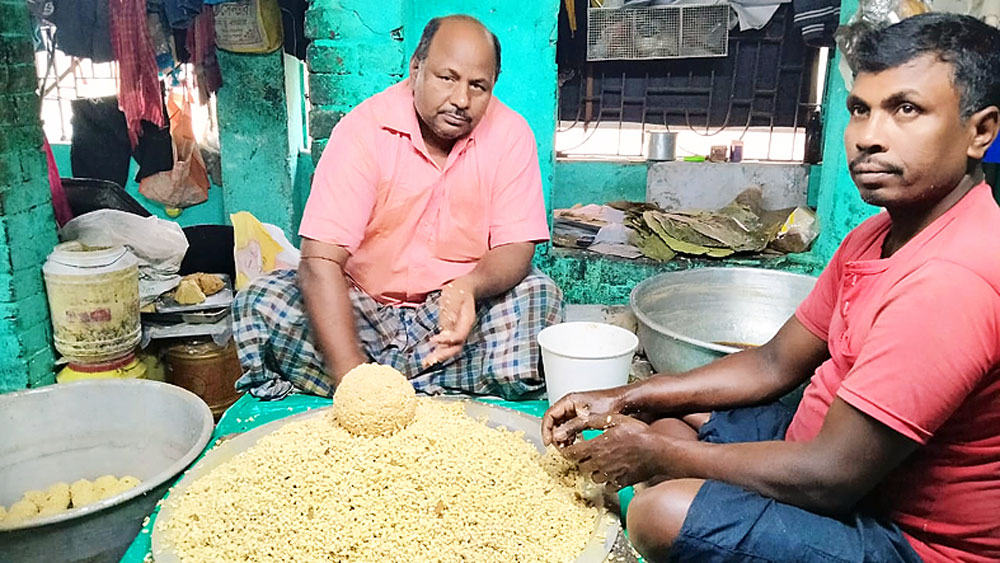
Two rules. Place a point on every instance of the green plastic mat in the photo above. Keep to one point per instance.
(248, 413)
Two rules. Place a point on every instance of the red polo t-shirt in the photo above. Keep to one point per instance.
(915, 344)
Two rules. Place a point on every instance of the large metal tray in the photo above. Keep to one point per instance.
(607, 528)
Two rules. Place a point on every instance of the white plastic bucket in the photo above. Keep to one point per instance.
(585, 356)
(93, 297)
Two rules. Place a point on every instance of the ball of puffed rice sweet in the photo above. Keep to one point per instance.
(374, 400)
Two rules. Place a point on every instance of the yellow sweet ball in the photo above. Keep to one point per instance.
(374, 400)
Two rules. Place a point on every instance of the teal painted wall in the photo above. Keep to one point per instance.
(357, 51)
(27, 224)
(527, 33)
(303, 181)
(595, 181)
(839, 207)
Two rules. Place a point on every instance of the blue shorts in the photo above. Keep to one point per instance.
(728, 523)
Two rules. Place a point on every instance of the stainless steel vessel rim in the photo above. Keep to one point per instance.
(641, 315)
(144, 487)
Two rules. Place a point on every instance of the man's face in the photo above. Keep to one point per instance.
(452, 87)
(906, 142)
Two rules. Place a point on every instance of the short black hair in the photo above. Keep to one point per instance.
(431, 29)
(971, 46)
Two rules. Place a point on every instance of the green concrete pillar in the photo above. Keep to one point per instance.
(839, 207)
(258, 151)
(27, 224)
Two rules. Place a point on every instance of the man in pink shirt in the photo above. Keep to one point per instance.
(893, 453)
(418, 237)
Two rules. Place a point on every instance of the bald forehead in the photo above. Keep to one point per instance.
(457, 34)
(466, 24)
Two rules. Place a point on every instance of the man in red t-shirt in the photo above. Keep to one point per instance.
(894, 451)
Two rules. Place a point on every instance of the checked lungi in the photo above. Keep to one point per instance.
(500, 356)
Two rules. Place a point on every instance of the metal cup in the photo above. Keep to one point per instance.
(662, 145)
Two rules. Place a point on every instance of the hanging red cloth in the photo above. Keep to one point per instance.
(138, 78)
(201, 45)
(60, 204)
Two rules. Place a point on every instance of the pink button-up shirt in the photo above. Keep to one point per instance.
(409, 225)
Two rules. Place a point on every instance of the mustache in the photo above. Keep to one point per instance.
(457, 113)
(872, 162)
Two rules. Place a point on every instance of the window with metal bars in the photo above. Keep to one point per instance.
(764, 92)
(62, 79)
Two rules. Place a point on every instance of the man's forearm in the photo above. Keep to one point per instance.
(735, 380)
(326, 292)
(501, 269)
(829, 474)
(753, 376)
(789, 472)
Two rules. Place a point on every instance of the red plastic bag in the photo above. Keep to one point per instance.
(187, 184)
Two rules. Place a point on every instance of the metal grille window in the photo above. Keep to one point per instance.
(763, 92)
(658, 32)
(62, 78)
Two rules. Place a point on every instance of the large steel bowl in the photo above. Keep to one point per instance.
(70, 431)
(690, 318)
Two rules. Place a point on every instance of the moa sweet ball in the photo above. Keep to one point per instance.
(374, 400)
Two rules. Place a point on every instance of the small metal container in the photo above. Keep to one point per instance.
(736, 151)
(662, 146)
(207, 370)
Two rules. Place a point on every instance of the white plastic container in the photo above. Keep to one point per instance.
(585, 356)
(94, 301)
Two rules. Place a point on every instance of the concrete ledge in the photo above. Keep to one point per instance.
(710, 185)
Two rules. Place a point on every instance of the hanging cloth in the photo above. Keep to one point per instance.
(138, 81)
(201, 45)
(60, 205)
(817, 20)
(100, 146)
(82, 28)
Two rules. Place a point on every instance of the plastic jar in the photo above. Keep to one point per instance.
(94, 301)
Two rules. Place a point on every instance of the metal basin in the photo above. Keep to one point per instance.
(70, 431)
(692, 317)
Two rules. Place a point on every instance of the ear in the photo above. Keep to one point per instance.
(414, 66)
(983, 127)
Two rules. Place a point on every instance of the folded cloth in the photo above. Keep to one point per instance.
(993, 153)
(180, 13)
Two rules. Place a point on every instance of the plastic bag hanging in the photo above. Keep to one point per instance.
(187, 184)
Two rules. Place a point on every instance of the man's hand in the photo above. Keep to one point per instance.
(625, 454)
(326, 292)
(575, 412)
(498, 271)
(456, 316)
